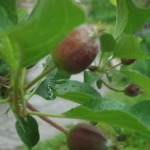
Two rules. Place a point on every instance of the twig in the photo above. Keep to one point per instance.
(111, 88)
(60, 128)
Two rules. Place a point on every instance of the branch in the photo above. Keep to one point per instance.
(46, 119)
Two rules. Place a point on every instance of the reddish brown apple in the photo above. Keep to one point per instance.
(77, 51)
(86, 137)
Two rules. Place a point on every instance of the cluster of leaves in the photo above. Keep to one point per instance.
(37, 36)
(125, 141)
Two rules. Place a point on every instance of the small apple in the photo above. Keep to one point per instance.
(77, 51)
(132, 90)
(86, 137)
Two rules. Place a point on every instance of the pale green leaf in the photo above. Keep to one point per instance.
(121, 18)
(7, 52)
(128, 46)
(48, 24)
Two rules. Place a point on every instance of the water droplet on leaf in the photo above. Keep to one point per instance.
(50, 92)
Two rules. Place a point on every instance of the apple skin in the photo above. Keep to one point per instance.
(132, 90)
(77, 51)
(86, 137)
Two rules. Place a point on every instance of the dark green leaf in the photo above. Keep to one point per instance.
(76, 91)
(57, 77)
(4, 68)
(60, 78)
(5, 23)
(107, 42)
(90, 77)
(10, 9)
(8, 14)
(99, 83)
(27, 129)
(128, 46)
(46, 88)
(48, 24)
(115, 113)
(109, 76)
(141, 110)
(7, 52)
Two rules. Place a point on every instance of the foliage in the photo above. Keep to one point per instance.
(101, 11)
(27, 39)
(125, 141)
(27, 129)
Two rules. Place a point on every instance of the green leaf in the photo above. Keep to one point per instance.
(10, 9)
(90, 77)
(7, 52)
(8, 14)
(114, 113)
(77, 97)
(76, 91)
(128, 46)
(101, 11)
(122, 18)
(27, 129)
(142, 66)
(129, 17)
(104, 104)
(5, 23)
(99, 84)
(107, 42)
(109, 76)
(4, 68)
(49, 23)
(140, 79)
(46, 88)
(137, 17)
(141, 110)
(113, 2)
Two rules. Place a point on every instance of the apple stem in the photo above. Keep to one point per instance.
(49, 121)
(111, 88)
(116, 65)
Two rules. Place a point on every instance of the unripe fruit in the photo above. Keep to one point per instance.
(86, 137)
(132, 90)
(127, 61)
(77, 51)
